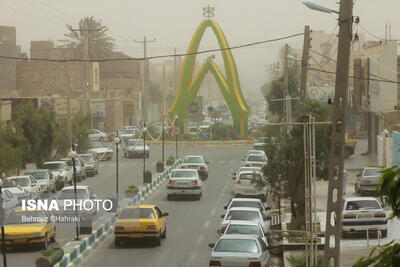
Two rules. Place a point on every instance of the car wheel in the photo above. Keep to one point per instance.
(158, 240)
(384, 233)
(164, 234)
(117, 242)
(53, 238)
(45, 243)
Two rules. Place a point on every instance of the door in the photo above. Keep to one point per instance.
(161, 218)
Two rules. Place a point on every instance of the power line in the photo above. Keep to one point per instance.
(160, 56)
(375, 36)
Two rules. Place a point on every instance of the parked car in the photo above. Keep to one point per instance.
(140, 222)
(246, 214)
(243, 169)
(246, 228)
(83, 193)
(246, 203)
(361, 214)
(136, 147)
(10, 200)
(260, 143)
(45, 179)
(91, 164)
(60, 170)
(239, 250)
(196, 162)
(23, 187)
(127, 133)
(29, 232)
(80, 168)
(100, 151)
(97, 135)
(250, 184)
(367, 180)
(184, 182)
(255, 161)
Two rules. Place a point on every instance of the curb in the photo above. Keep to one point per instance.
(82, 249)
(203, 143)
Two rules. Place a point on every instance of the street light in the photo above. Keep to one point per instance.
(144, 150)
(3, 246)
(163, 133)
(318, 7)
(74, 155)
(116, 142)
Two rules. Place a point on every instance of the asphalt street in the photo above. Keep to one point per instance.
(191, 224)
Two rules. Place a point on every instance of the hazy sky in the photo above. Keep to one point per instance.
(173, 22)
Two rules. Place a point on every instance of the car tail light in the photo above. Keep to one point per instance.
(380, 215)
(196, 181)
(183, 167)
(238, 181)
(202, 167)
(366, 181)
(171, 181)
(349, 216)
(151, 227)
(255, 264)
(119, 228)
(247, 165)
(215, 263)
(223, 229)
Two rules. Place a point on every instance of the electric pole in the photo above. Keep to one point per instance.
(304, 61)
(286, 96)
(69, 127)
(145, 76)
(175, 72)
(336, 162)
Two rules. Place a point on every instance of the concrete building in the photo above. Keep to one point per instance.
(5, 112)
(8, 67)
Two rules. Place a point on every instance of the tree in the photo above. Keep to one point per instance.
(12, 145)
(389, 185)
(100, 45)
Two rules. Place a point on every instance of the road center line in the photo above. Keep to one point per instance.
(199, 240)
(213, 211)
(206, 224)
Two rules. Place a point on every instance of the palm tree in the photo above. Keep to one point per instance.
(100, 45)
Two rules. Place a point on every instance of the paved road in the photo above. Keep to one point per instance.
(191, 224)
(130, 172)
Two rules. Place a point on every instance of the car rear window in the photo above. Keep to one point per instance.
(372, 172)
(38, 174)
(137, 213)
(363, 204)
(247, 204)
(243, 215)
(193, 160)
(256, 158)
(237, 245)
(183, 174)
(250, 176)
(244, 230)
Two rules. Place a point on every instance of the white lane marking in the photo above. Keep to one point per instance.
(222, 194)
(199, 240)
(191, 258)
(213, 211)
(206, 224)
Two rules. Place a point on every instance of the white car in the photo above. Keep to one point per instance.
(184, 182)
(83, 192)
(367, 180)
(60, 170)
(246, 214)
(250, 184)
(23, 187)
(239, 250)
(255, 160)
(127, 133)
(196, 162)
(135, 148)
(10, 200)
(254, 152)
(246, 203)
(242, 169)
(97, 135)
(260, 143)
(91, 164)
(45, 179)
(100, 151)
(245, 228)
(361, 214)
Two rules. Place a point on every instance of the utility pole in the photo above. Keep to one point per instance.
(175, 72)
(304, 61)
(69, 127)
(336, 162)
(145, 76)
(286, 96)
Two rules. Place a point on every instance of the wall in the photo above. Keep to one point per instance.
(8, 67)
(5, 111)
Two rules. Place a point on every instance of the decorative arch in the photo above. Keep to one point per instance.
(229, 84)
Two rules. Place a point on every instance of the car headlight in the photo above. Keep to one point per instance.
(36, 234)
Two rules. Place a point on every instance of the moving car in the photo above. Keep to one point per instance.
(80, 169)
(239, 250)
(260, 143)
(140, 222)
(361, 214)
(97, 135)
(136, 147)
(255, 161)
(45, 179)
(23, 187)
(196, 162)
(367, 180)
(246, 214)
(91, 164)
(39, 229)
(250, 184)
(246, 202)
(60, 170)
(184, 182)
(10, 200)
(100, 151)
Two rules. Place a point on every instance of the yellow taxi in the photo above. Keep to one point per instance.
(140, 222)
(22, 227)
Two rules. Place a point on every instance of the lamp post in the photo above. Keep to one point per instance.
(73, 155)
(176, 138)
(144, 150)
(163, 134)
(116, 142)
(3, 240)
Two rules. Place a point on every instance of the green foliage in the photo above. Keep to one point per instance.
(80, 131)
(300, 260)
(221, 131)
(170, 160)
(12, 149)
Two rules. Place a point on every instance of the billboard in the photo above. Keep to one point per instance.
(97, 107)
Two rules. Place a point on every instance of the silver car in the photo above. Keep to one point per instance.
(255, 160)
(367, 180)
(239, 250)
(91, 164)
(196, 162)
(45, 179)
(184, 183)
(246, 214)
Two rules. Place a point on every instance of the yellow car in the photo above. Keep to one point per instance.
(29, 227)
(140, 222)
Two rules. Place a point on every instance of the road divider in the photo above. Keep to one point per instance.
(76, 251)
(202, 143)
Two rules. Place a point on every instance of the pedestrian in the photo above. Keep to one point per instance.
(345, 175)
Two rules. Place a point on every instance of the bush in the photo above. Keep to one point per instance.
(170, 160)
(160, 166)
(132, 190)
(300, 260)
(147, 177)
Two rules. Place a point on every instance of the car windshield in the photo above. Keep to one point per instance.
(138, 142)
(193, 160)
(256, 158)
(70, 194)
(87, 157)
(262, 139)
(250, 176)
(96, 145)
(54, 166)
(237, 245)
(363, 205)
(244, 230)
(137, 213)
(372, 172)
(184, 174)
(13, 182)
(248, 204)
(20, 217)
(128, 131)
(243, 215)
(249, 169)
(38, 174)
